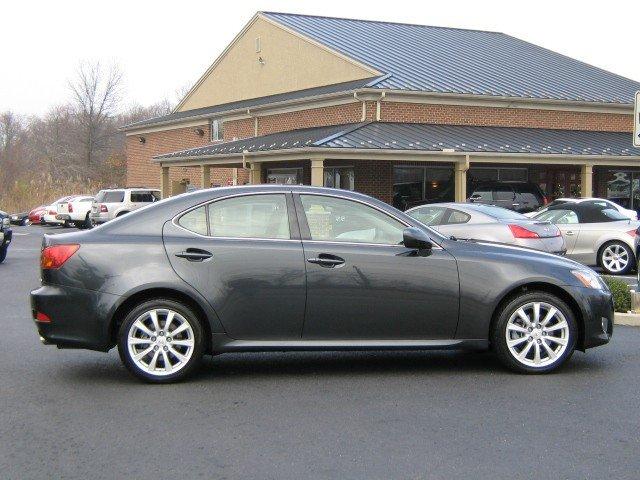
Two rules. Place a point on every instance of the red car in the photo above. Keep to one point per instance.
(35, 215)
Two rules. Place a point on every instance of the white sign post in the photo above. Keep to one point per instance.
(636, 126)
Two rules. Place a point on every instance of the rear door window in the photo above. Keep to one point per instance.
(112, 196)
(250, 216)
(456, 217)
(429, 215)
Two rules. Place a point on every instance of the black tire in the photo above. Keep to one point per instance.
(24, 222)
(498, 335)
(3, 253)
(66, 224)
(620, 246)
(87, 222)
(197, 336)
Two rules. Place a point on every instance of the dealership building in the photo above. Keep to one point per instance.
(405, 113)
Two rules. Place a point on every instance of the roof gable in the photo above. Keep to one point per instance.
(267, 58)
(449, 60)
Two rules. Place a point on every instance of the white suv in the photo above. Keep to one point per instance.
(109, 204)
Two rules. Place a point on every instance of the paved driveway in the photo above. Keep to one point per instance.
(374, 415)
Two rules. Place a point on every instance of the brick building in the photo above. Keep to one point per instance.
(406, 113)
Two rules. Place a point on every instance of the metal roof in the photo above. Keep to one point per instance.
(385, 136)
(451, 60)
(254, 102)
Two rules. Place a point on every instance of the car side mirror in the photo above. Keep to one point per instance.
(413, 237)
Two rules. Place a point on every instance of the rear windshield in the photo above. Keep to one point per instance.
(498, 212)
(110, 196)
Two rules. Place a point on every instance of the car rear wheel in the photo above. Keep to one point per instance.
(616, 258)
(534, 333)
(161, 341)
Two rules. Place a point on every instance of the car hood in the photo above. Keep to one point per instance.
(511, 253)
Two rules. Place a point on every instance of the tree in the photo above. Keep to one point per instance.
(96, 93)
(11, 129)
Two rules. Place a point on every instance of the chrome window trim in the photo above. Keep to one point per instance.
(175, 218)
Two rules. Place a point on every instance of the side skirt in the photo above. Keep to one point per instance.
(221, 343)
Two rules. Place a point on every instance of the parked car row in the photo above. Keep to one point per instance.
(590, 231)
(84, 211)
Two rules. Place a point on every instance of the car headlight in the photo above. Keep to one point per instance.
(590, 279)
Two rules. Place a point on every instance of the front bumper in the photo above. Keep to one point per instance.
(597, 314)
(79, 318)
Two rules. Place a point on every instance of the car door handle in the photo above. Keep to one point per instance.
(194, 254)
(326, 260)
(570, 233)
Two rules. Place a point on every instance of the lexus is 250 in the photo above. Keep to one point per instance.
(275, 268)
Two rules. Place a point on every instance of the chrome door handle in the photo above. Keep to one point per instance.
(569, 233)
(195, 254)
(327, 261)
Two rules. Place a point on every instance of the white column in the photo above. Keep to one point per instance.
(255, 175)
(165, 185)
(586, 180)
(460, 178)
(317, 172)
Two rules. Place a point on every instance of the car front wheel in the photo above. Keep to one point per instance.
(3, 253)
(161, 341)
(616, 258)
(534, 333)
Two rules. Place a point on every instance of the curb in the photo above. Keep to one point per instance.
(628, 319)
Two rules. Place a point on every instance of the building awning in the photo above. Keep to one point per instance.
(407, 137)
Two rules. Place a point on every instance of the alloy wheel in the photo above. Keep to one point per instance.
(615, 258)
(160, 342)
(537, 334)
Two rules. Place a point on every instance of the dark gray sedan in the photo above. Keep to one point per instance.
(491, 223)
(273, 268)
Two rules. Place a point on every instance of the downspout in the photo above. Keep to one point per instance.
(378, 102)
(255, 122)
(364, 106)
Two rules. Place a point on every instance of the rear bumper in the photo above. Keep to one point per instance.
(79, 317)
(63, 216)
(99, 217)
(597, 313)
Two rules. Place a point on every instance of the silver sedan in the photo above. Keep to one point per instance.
(490, 223)
(596, 235)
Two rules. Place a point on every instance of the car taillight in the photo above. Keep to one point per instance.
(103, 208)
(521, 232)
(632, 233)
(70, 208)
(545, 201)
(42, 317)
(55, 256)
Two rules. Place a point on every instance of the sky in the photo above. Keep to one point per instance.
(163, 47)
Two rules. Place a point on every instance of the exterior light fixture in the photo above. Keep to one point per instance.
(142, 139)
(261, 60)
(199, 132)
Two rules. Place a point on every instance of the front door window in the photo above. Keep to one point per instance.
(339, 220)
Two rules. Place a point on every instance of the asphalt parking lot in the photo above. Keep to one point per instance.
(414, 415)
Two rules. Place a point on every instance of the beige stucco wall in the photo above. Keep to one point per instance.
(290, 63)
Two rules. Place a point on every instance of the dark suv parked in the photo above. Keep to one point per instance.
(5, 235)
(521, 197)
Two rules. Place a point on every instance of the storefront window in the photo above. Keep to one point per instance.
(620, 186)
(417, 185)
(339, 177)
(285, 176)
